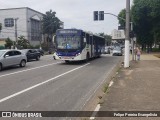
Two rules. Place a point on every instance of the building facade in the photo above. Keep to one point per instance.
(21, 22)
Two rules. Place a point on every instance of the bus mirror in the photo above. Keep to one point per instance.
(84, 40)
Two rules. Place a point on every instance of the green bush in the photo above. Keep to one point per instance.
(155, 50)
(2, 47)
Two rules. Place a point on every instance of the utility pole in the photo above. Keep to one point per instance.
(132, 41)
(127, 29)
(126, 55)
(16, 40)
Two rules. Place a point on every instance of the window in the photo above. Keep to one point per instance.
(10, 53)
(17, 53)
(35, 30)
(9, 22)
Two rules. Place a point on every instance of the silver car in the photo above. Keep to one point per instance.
(117, 51)
(11, 57)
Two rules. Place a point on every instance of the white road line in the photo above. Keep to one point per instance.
(98, 106)
(110, 84)
(28, 69)
(32, 87)
(95, 112)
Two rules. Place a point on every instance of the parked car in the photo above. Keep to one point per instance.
(32, 54)
(11, 57)
(117, 51)
(41, 51)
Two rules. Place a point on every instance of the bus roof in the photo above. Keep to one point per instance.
(74, 31)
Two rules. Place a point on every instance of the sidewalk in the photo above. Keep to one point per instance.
(135, 89)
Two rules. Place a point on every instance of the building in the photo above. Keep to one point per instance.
(21, 22)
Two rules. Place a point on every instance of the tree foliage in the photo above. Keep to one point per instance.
(23, 43)
(121, 16)
(141, 14)
(50, 23)
(108, 38)
(8, 43)
(145, 16)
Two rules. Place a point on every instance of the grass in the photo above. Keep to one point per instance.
(105, 88)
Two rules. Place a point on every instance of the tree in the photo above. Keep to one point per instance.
(122, 14)
(155, 14)
(145, 17)
(9, 43)
(108, 38)
(50, 24)
(143, 22)
(23, 43)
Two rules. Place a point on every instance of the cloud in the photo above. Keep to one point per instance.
(76, 13)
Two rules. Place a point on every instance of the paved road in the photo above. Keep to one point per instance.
(49, 85)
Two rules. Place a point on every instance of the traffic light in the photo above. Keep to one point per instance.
(101, 15)
(95, 15)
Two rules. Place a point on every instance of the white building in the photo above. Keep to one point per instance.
(28, 23)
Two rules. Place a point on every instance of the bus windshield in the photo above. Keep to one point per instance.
(68, 42)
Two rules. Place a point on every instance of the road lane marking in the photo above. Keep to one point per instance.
(95, 112)
(32, 87)
(98, 106)
(28, 69)
(111, 83)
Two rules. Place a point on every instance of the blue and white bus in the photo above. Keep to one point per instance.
(76, 45)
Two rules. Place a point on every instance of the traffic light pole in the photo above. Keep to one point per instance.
(127, 30)
(115, 16)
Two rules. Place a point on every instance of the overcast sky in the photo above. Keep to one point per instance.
(75, 13)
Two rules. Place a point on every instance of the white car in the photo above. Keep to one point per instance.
(11, 57)
(117, 51)
(107, 50)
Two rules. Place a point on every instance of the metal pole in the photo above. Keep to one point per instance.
(126, 55)
(132, 41)
(135, 46)
(16, 33)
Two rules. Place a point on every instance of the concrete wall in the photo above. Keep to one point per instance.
(21, 26)
(31, 14)
(23, 23)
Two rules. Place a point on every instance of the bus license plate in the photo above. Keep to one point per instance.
(66, 58)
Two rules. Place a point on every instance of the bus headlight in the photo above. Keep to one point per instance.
(78, 54)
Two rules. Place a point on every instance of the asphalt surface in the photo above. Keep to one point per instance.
(49, 85)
